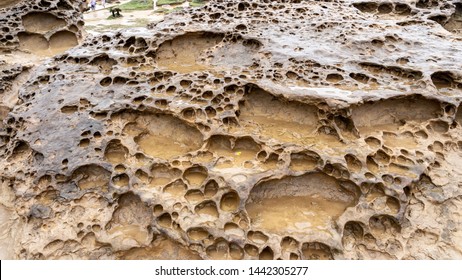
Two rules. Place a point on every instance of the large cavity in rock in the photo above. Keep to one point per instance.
(311, 202)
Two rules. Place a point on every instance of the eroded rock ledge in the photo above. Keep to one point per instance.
(245, 130)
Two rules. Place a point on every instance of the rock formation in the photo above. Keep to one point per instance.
(243, 130)
(40, 26)
(30, 31)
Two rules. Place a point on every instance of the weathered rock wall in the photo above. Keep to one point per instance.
(246, 130)
(31, 31)
(44, 27)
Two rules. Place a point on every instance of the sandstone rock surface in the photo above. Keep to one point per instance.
(243, 130)
(40, 26)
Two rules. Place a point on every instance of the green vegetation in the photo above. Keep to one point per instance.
(174, 10)
(137, 5)
(170, 2)
(197, 3)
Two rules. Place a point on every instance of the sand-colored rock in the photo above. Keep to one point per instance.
(245, 130)
(43, 27)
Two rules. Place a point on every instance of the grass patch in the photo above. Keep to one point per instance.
(174, 10)
(194, 4)
(136, 5)
(169, 2)
(197, 3)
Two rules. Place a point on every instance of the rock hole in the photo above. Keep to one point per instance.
(230, 202)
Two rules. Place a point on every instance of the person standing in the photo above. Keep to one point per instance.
(93, 5)
(103, 2)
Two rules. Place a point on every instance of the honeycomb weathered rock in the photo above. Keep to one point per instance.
(42, 27)
(245, 130)
(31, 31)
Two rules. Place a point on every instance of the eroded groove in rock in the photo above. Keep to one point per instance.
(161, 248)
(298, 205)
(283, 120)
(390, 115)
(454, 24)
(130, 221)
(38, 22)
(34, 43)
(62, 40)
(159, 135)
(183, 53)
(8, 3)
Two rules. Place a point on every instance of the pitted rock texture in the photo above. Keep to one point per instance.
(245, 130)
(43, 27)
(31, 31)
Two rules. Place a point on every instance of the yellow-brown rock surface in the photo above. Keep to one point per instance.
(243, 130)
